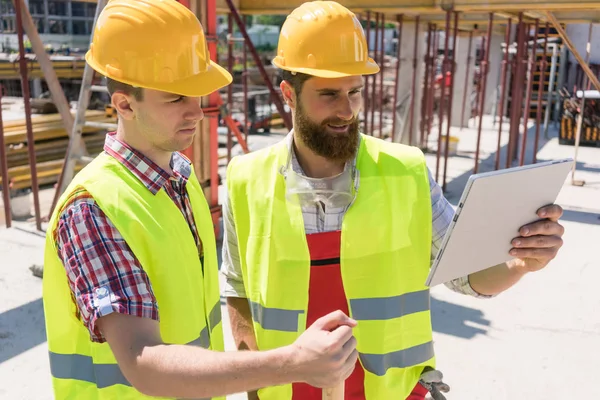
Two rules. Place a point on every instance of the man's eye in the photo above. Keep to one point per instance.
(177, 100)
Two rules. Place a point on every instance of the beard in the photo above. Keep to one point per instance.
(334, 146)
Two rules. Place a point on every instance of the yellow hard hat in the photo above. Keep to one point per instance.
(325, 39)
(154, 44)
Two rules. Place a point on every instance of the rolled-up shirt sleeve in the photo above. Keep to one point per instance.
(231, 268)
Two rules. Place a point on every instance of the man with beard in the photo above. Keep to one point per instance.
(331, 219)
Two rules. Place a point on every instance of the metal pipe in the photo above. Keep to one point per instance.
(4, 170)
(484, 73)
(538, 111)
(436, 40)
(450, 98)
(551, 90)
(381, 73)
(26, 101)
(505, 67)
(425, 99)
(261, 68)
(413, 92)
(400, 19)
(442, 97)
(529, 90)
(229, 87)
(214, 99)
(245, 88)
(367, 80)
(515, 103)
(464, 100)
(374, 79)
(588, 49)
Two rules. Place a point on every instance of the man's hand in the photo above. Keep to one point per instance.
(325, 354)
(539, 242)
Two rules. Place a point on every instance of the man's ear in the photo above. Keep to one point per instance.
(122, 103)
(289, 95)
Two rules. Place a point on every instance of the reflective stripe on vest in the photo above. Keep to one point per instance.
(186, 290)
(82, 368)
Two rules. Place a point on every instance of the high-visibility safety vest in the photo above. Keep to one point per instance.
(159, 235)
(384, 258)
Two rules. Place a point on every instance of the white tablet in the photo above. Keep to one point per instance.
(492, 209)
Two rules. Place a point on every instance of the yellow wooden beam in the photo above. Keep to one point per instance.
(520, 5)
(561, 32)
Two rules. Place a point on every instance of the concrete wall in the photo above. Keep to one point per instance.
(462, 54)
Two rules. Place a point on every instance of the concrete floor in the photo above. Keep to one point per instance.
(535, 341)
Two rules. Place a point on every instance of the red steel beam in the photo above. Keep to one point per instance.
(399, 18)
(450, 98)
(381, 72)
(274, 95)
(484, 74)
(504, 72)
(425, 98)
(230, 87)
(516, 99)
(245, 89)
(4, 170)
(467, 77)
(442, 97)
(27, 103)
(538, 112)
(374, 77)
(413, 96)
(529, 90)
(436, 44)
(367, 101)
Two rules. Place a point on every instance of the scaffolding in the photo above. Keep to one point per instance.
(525, 25)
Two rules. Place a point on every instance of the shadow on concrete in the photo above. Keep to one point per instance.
(456, 320)
(580, 216)
(21, 329)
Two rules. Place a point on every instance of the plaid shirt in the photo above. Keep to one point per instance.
(94, 253)
(317, 219)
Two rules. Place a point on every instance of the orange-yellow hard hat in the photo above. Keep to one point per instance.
(154, 44)
(325, 39)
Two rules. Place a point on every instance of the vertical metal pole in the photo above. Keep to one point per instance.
(374, 87)
(505, 67)
(367, 80)
(551, 89)
(450, 98)
(529, 90)
(230, 87)
(245, 84)
(413, 92)
(425, 98)
(436, 45)
(398, 64)
(588, 50)
(442, 97)
(538, 111)
(4, 169)
(26, 101)
(467, 78)
(381, 73)
(261, 68)
(484, 74)
(516, 99)
(214, 98)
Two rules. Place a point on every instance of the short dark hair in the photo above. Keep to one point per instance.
(295, 79)
(116, 86)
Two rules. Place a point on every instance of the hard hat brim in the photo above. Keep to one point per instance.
(336, 71)
(202, 84)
